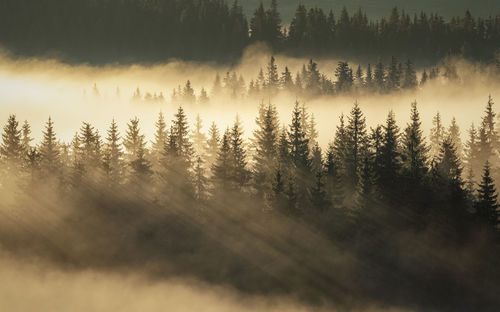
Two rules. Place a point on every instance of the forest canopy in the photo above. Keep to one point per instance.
(214, 30)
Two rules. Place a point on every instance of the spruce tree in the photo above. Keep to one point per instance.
(265, 143)
(212, 145)
(114, 155)
(198, 137)
(161, 135)
(356, 147)
(387, 175)
(437, 136)
(221, 169)
(297, 137)
(11, 149)
(454, 133)
(487, 203)
(26, 137)
(200, 180)
(49, 150)
(410, 76)
(272, 77)
(286, 80)
(414, 150)
(239, 173)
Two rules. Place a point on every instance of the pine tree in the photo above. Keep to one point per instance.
(423, 79)
(113, 155)
(188, 93)
(334, 185)
(414, 150)
(369, 78)
(454, 133)
(26, 137)
(379, 76)
(217, 87)
(344, 77)
(198, 137)
(410, 76)
(221, 169)
(239, 175)
(212, 146)
(200, 181)
(134, 140)
(389, 159)
(161, 135)
(488, 123)
(437, 136)
(49, 150)
(297, 137)
(272, 79)
(265, 144)
(393, 75)
(487, 203)
(11, 149)
(471, 149)
(356, 147)
(203, 98)
(286, 80)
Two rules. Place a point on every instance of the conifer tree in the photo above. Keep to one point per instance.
(161, 136)
(212, 146)
(410, 76)
(49, 150)
(319, 197)
(286, 80)
(265, 144)
(454, 133)
(414, 150)
(344, 77)
(239, 172)
(471, 149)
(272, 79)
(356, 147)
(379, 76)
(437, 136)
(369, 78)
(221, 169)
(297, 138)
(200, 180)
(188, 93)
(389, 159)
(393, 75)
(11, 149)
(488, 123)
(114, 155)
(334, 185)
(217, 86)
(198, 137)
(487, 203)
(134, 140)
(26, 137)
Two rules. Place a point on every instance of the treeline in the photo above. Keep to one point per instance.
(138, 30)
(283, 169)
(274, 214)
(307, 83)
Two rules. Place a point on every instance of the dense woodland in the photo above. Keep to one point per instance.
(107, 31)
(380, 214)
(309, 82)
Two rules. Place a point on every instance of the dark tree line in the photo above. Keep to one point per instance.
(308, 82)
(273, 214)
(366, 170)
(147, 30)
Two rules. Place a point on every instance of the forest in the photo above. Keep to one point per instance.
(106, 31)
(310, 82)
(380, 215)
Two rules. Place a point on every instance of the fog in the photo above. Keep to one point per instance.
(93, 247)
(34, 89)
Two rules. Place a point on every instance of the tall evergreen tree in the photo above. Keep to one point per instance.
(49, 150)
(356, 147)
(11, 149)
(414, 150)
(487, 204)
(437, 136)
(113, 155)
(265, 144)
(212, 146)
(198, 137)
